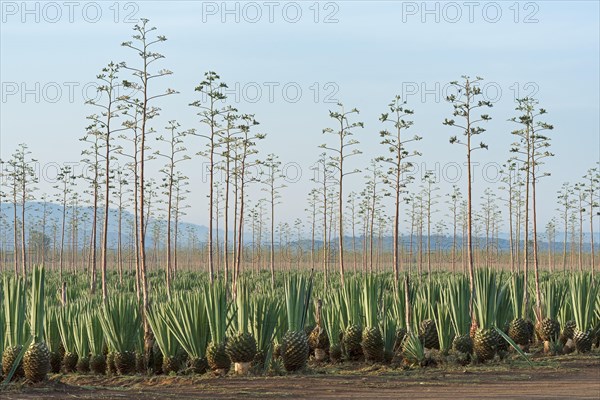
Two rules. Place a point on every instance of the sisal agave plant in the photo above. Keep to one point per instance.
(217, 310)
(352, 318)
(518, 328)
(144, 361)
(15, 328)
(317, 338)
(80, 340)
(66, 318)
(584, 294)
(282, 328)
(389, 329)
(187, 319)
(333, 325)
(413, 350)
(372, 340)
(165, 339)
(294, 344)
(241, 344)
(596, 320)
(264, 314)
(492, 309)
(503, 313)
(36, 361)
(121, 324)
(553, 298)
(443, 321)
(457, 299)
(567, 321)
(53, 340)
(486, 338)
(96, 342)
(427, 295)
(2, 326)
(398, 310)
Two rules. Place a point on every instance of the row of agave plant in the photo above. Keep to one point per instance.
(255, 327)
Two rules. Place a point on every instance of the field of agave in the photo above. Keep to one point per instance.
(256, 328)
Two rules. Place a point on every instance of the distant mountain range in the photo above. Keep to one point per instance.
(34, 214)
(54, 211)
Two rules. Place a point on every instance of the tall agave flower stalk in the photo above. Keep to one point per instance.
(96, 341)
(15, 328)
(294, 344)
(584, 295)
(264, 314)
(187, 319)
(36, 361)
(217, 310)
(80, 340)
(121, 323)
(66, 317)
(333, 325)
(372, 340)
(241, 344)
(165, 339)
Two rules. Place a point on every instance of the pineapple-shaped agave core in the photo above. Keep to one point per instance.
(294, 344)
(428, 334)
(518, 331)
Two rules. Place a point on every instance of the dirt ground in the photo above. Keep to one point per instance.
(572, 377)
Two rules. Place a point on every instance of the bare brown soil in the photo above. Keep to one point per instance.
(573, 377)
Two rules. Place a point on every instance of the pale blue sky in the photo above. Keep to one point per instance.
(374, 51)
